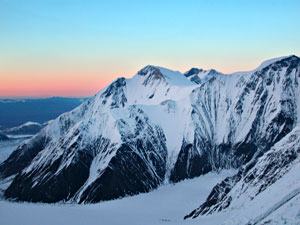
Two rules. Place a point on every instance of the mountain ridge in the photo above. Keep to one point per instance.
(139, 133)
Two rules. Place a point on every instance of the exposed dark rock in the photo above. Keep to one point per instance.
(126, 174)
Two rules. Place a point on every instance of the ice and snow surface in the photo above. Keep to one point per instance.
(279, 204)
(283, 186)
(166, 205)
(264, 192)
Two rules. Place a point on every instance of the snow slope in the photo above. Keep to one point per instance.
(166, 205)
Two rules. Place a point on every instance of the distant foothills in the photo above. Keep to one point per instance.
(17, 111)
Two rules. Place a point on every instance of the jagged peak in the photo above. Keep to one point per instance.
(114, 87)
(147, 70)
(193, 71)
(198, 76)
(151, 74)
(200, 71)
(160, 73)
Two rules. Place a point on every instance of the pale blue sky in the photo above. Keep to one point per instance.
(113, 38)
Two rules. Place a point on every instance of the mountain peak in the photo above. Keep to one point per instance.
(166, 75)
(156, 127)
(151, 74)
(193, 71)
(147, 70)
(198, 76)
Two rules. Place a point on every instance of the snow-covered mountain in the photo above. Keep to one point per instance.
(159, 126)
(238, 116)
(29, 128)
(270, 183)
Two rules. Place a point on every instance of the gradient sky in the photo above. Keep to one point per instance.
(75, 48)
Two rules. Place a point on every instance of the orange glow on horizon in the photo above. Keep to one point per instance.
(84, 81)
(53, 83)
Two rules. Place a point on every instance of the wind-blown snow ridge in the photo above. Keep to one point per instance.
(270, 61)
(26, 128)
(157, 127)
(200, 75)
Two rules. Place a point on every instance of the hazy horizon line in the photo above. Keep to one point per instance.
(41, 97)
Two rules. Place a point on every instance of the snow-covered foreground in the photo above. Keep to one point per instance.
(279, 204)
(166, 205)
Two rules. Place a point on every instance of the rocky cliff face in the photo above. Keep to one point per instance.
(267, 183)
(158, 126)
(238, 116)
